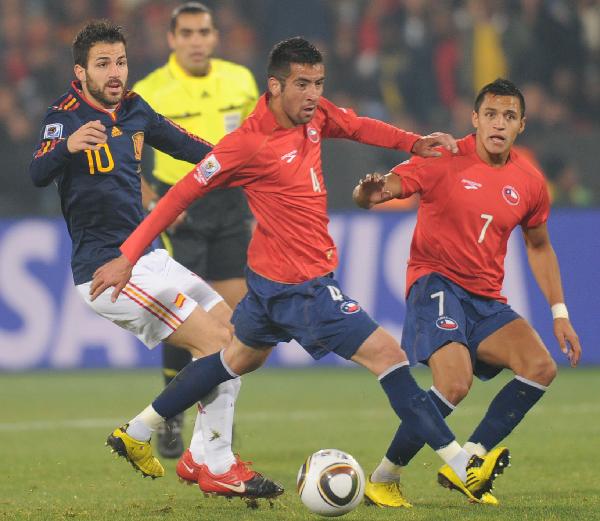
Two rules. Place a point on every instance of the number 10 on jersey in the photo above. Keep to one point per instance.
(96, 162)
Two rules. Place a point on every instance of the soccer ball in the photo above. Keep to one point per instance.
(331, 483)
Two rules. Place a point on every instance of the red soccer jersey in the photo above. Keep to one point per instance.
(467, 212)
(280, 171)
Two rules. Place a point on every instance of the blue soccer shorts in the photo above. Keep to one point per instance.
(315, 313)
(440, 311)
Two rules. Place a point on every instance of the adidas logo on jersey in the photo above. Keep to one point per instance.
(470, 185)
(290, 156)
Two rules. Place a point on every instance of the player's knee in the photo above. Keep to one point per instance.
(378, 358)
(455, 389)
(541, 370)
(242, 359)
(211, 341)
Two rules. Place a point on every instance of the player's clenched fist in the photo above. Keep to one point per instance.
(87, 137)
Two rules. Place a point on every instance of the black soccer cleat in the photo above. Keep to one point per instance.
(169, 441)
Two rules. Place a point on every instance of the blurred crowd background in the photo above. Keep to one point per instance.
(414, 63)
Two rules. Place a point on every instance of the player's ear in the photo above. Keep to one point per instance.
(274, 86)
(171, 40)
(523, 123)
(475, 119)
(79, 72)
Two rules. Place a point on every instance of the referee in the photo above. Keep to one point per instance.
(208, 97)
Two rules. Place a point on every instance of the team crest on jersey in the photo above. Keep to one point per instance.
(138, 145)
(349, 307)
(511, 196)
(446, 323)
(313, 134)
(53, 131)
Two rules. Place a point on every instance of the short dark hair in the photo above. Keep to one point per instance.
(189, 8)
(292, 50)
(500, 87)
(94, 32)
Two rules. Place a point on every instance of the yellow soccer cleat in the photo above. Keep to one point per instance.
(385, 494)
(481, 473)
(138, 453)
(489, 499)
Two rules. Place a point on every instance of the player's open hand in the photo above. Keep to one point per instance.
(115, 273)
(427, 146)
(371, 190)
(87, 137)
(567, 339)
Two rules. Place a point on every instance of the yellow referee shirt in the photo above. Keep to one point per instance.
(209, 106)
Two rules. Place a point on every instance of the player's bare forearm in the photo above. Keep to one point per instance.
(376, 189)
(543, 263)
(545, 268)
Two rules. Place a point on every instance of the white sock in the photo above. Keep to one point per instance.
(197, 442)
(386, 472)
(216, 423)
(475, 449)
(144, 424)
(455, 456)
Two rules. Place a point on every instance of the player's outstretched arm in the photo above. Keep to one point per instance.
(427, 146)
(115, 273)
(544, 265)
(376, 189)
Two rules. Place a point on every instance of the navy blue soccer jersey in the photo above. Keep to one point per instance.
(100, 190)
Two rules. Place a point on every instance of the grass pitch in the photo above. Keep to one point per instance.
(56, 467)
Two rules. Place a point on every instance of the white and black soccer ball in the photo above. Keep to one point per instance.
(331, 483)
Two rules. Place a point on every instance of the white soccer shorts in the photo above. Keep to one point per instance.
(160, 295)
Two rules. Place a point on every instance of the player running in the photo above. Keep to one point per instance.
(209, 97)
(276, 157)
(92, 147)
(457, 321)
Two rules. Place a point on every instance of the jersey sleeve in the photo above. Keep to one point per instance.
(52, 156)
(540, 208)
(419, 175)
(222, 168)
(344, 123)
(168, 137)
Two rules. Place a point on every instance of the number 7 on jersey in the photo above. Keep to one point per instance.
(488, 219)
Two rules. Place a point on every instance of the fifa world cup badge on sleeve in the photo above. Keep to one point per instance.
(205, 170)
(53, 131)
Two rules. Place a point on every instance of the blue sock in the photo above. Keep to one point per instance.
(415, 408)
(191, 384)
(506, 411)
(406, 443)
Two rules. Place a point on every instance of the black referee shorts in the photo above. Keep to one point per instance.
(213, 241)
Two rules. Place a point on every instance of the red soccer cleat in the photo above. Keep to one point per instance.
(187, 469)
(239, 481)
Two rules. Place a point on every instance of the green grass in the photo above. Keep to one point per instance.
(55, 465)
